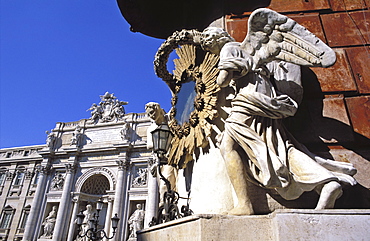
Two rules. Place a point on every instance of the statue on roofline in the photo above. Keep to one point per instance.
(264, 72)
(109, 109)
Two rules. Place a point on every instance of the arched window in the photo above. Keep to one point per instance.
(6, 217)
(97, 184)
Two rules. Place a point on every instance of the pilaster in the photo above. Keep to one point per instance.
(124, 165)
(34, 217)
(65, 202)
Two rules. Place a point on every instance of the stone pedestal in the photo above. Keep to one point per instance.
(288, 224)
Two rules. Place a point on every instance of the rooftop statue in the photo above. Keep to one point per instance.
(254, 144)
(109, 109)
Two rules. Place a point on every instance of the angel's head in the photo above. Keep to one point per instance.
(214, 39)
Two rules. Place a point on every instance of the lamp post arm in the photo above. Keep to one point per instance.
(103, 234)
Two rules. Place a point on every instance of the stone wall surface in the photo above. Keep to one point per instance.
(281, 225)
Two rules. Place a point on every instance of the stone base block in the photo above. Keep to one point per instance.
(288, 224)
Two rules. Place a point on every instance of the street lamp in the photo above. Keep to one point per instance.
(168, 211)
(93, 233)
(162, 137)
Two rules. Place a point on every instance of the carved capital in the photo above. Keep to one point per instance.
(70, 167)
(43, 169)
(124, 164)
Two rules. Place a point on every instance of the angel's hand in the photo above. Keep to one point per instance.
(224, 77)
(262, 70)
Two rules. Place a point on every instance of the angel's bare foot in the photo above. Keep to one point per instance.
(240, 210)
(329, 194)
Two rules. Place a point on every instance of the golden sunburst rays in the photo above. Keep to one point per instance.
(193, 134)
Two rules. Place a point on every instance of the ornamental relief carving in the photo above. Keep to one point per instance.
(140, 177)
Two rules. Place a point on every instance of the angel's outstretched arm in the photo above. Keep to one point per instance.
(224, 77)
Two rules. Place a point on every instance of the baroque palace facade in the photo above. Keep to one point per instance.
(102, 158)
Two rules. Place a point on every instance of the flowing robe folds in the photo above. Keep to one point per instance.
(274, 159)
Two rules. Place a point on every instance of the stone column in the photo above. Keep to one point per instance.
(108, 217)
(63, 210)
(34, 216)
(72, 224)
(153, 195)
(123, 166)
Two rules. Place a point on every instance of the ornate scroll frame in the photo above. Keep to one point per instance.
(194, 64)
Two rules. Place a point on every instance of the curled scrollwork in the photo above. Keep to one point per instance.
(196, 66)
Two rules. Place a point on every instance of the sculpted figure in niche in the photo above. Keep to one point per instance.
(49, 223)
(136, 221)
(85, 223)
(255, 145)
(158, 116)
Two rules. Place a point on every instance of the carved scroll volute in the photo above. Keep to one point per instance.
(196, 72)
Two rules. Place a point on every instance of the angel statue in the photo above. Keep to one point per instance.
(255, 145)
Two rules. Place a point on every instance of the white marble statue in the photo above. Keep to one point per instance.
(255, 145)
(136, 221)
(158, 116)
(77, 137)
(108, 109)
(126, 132)
(96, 112)
(49, 223)
(50, 140)
(85, 223)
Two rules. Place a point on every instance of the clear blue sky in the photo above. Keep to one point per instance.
(57, 57)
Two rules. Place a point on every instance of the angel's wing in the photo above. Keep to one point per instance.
(274, 36)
